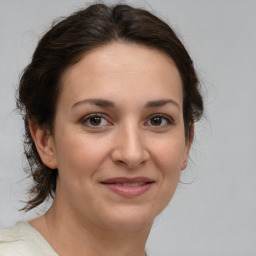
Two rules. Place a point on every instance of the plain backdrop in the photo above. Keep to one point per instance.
(212, 215)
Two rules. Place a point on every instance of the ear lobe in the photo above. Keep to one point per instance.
(44, 144)
(187, 147)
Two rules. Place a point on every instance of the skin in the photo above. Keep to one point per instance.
(129, 139)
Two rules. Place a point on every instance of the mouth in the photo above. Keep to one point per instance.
(128, 187)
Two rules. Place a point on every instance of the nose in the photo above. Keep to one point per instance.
(130, 148)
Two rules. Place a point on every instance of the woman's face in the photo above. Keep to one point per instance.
(119, 142)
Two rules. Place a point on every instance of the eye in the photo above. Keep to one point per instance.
(95, 120)
(159, 121)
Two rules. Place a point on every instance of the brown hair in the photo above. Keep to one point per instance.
(64, 44)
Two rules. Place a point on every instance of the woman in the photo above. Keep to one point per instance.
(109, 103)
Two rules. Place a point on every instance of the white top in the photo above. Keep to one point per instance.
(23, 240)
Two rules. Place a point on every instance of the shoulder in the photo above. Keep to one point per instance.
(147, 253)
(10, 240)
(23, 240)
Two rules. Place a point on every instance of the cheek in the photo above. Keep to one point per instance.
(80, 154)
(169, 158)
(169, 154)
(79, 160)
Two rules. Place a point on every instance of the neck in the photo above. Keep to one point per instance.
(86, 238)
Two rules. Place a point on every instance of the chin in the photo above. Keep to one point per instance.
(129, 219)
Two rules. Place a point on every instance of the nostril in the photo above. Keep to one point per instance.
(120, 162)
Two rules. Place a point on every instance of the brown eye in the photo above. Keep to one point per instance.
(94, 121)
(156, 120)
(160, 121)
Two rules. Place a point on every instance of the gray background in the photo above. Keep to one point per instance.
(215, 214)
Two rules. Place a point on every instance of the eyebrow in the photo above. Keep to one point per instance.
(107, 103)
(160, 103)
(97, 102)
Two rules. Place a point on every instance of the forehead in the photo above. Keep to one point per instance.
(122, 69)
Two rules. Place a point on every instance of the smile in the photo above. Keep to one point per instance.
(132, 184)
(128, 187)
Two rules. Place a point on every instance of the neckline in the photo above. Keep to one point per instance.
(36, 234)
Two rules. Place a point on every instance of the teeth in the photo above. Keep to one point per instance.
(136, 184)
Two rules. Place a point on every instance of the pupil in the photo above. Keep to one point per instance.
(156, 120)
(95, 120)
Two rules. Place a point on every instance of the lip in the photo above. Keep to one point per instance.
(128, 187)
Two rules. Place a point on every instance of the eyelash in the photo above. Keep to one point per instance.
(86, 119)
(169, 120)
(95, 115)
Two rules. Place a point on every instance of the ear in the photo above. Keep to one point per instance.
(44, 144)
(187, 147)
